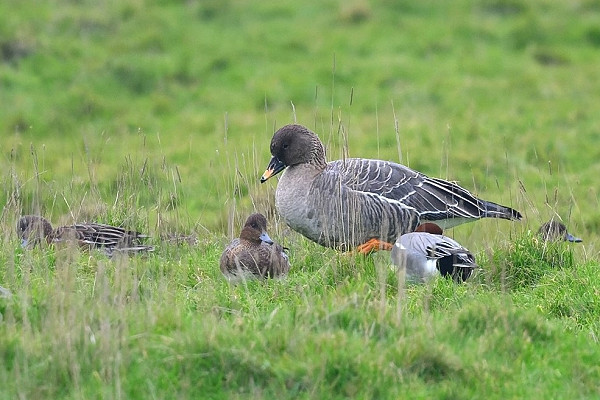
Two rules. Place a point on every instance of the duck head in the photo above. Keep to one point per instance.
(32, 229)
(292, 145)
(255, 229)
(430, 227)
(555, 231)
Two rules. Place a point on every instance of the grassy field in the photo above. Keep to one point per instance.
(158, 116)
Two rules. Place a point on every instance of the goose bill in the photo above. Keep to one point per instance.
(275, 166)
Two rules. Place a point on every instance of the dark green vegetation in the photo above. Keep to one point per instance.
(158, 116)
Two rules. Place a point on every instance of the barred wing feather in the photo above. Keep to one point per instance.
(434, 199)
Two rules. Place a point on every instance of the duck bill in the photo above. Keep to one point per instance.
(275, 166)
(571, 238)
(24, 243)
(265, 238)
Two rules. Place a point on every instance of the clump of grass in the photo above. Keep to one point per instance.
(504, 7)
(572, 295)
(499, 316)
(525, 261)
(355, 12)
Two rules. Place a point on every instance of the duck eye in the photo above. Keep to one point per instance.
(285, 146)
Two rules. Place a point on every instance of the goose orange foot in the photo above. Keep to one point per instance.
(374, 245)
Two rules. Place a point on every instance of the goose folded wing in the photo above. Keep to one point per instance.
(353, 201)
(433, 198)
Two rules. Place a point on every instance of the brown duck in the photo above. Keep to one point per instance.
(254, 254)
(33, 229)
(554, 231)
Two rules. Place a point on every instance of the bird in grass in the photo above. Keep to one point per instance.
(34, 229)
(5, 293)
(254, 254)
(364, 203)
(554, 231)
(427, 252)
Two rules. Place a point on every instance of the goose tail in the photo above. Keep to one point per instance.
(493, 210)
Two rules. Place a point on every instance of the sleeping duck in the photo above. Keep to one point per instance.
(427, 252)
(33, 229)
(554, 231)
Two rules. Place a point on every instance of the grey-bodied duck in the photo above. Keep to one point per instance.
(426, 253)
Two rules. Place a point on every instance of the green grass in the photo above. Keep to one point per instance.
(169, 325)
(158, 116)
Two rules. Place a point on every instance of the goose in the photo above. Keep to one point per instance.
(363, 203)
(426, 253)
(33, 229)
(254, 254)
(553, 231)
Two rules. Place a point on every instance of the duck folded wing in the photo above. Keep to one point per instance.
(434, 246)
(107, 235)
(460, 255)
(434, 199)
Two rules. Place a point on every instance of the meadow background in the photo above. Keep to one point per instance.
(157, 115)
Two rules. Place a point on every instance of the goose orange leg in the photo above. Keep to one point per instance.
(374, 245)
